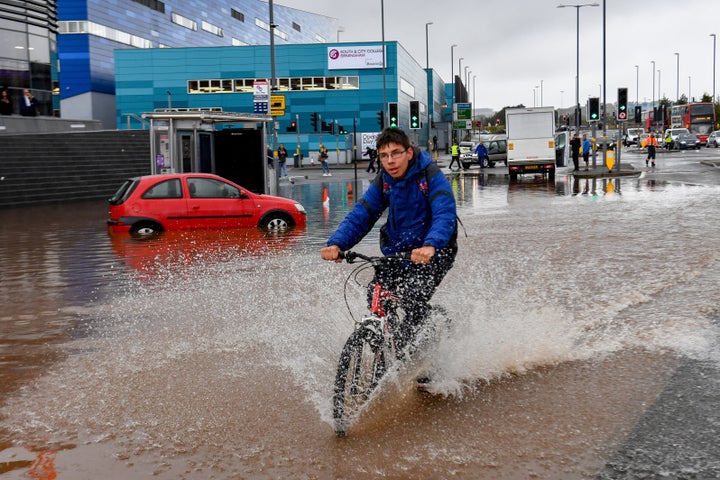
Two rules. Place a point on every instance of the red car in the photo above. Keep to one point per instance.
(154, 203)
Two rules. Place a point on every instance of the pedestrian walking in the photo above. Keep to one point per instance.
(324, 161)
(282, 158)
(455, 154)
(668, 141)
(270, 156)
(370, 152)
(575, 147)
(652, 144)
(482, 154)
(586, 146)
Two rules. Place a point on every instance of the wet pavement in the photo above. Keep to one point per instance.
(585, 339)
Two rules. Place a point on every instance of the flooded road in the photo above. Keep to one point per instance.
(212, 354)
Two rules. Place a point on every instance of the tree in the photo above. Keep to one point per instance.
(683, 100)
(706, 98)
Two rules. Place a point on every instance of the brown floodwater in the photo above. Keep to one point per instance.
(212, 354)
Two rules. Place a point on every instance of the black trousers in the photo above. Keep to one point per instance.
(414, 285)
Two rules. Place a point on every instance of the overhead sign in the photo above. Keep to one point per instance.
(463, 111)
(365, 56)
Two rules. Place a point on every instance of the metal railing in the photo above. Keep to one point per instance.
(132, 116)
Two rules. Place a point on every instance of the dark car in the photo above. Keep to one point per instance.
(497, 152)
(686, 141)
(154, 203)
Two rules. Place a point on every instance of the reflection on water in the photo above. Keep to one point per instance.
(210, 354)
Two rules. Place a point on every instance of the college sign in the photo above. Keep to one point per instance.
(367, 56)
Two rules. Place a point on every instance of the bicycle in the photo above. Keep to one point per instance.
(371, 350)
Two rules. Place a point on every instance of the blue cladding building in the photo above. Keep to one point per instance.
(344, 84)
(91, 30)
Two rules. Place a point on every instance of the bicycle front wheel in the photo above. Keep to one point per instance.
(362, 364)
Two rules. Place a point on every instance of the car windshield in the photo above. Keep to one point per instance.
(124, 191)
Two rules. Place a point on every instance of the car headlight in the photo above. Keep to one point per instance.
(300, 208)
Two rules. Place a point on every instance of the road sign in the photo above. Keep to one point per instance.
(463, 111)
(260, 96)
(277, 105)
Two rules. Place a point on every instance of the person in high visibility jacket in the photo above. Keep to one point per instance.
(455, 152)
(652, 144)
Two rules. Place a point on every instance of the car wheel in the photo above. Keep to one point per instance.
(276, 221)
(146, 228)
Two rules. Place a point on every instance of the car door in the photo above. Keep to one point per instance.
(162, 201)
(213, 203)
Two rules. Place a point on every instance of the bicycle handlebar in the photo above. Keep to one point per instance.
(349, 256)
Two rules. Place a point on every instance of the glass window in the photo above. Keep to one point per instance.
(283, 84)
(39, 49)
(14, 45)
(167, 189)
(210, 188)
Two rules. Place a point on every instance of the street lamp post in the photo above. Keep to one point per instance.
(460, 70)
(430, 103)
(427, 45)
(384, 52)
(467, 80)
(677, 80)
(637, 84)
(473, 97)
(452, 97)
(652, 122)
(714, 38)
(577, 57)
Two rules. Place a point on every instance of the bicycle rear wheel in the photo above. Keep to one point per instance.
(362, 364)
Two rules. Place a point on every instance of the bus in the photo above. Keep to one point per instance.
(699, 118)
(650, 123)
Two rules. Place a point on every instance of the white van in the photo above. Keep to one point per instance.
(632, 136)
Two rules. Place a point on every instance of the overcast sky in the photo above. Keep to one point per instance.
(513, 46)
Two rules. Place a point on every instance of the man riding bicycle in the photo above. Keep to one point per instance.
(421, 220)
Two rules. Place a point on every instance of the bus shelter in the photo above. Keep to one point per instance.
(228, 144)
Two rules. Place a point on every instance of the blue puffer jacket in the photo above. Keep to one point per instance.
(421, 210)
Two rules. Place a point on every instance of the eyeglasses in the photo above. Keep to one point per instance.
(395, 154)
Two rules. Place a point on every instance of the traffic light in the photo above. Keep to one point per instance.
(393, 108)
(593, 109)
(342, 130)
(414, 114)
(314, 121)
(292, 127)
(381, 119)
(638, 114)
(622, 110)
